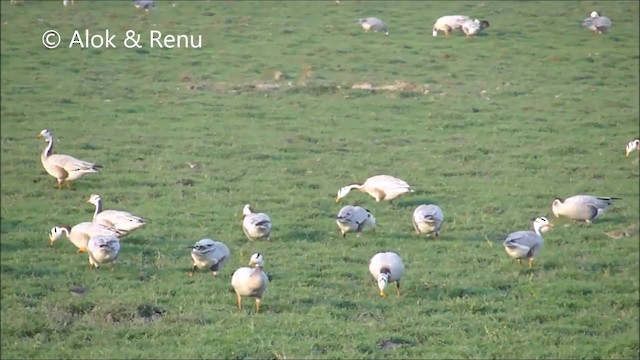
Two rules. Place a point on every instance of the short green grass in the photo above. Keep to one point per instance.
(554, 106)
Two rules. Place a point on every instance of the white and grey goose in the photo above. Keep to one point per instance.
(355, 219)
(526, 244)
(103, 249)
(144, 4)
(386, 267)
(428, 219)
(209, 254)
(632, 145)
(381, 187)
(582, 207)
(124, 221)
(449, 23)
(373, 24)
(596, 23)
(255, 225)
(80, 233)
(474, 27)
(64, 168)
(250, 282)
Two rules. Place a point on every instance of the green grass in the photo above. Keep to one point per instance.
(555, 107)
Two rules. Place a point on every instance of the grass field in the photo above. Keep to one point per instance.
(490, 128)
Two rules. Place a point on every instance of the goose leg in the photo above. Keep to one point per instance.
(530, 263)
(81, 250)
(193, 269)
(257, 305)
(397, 288)
(520, 262)
(239, 301)
(382, 293)
(59, 185)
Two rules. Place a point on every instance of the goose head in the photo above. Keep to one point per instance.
(94, 199)
(343, 192)
(383, 280)
(257, 260)
(541, 224)
(344, 216)
(203, 246)
(246, 210)
(45, 134)
(595, 14)
(555, 207)
(56, 233)
(632, 145)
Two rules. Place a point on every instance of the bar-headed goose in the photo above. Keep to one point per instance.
(449, 23)
(386, 267)
(381, 187)
(209, 254)
(632, 145)
(251, 282)
(64, 168)
(596, 23)
(474, 27)
(373, 24)
(526, 244)
(123, 221)
(80, 234)
(427, 219)
(582, 207)
(255, 225)
(355, 219)
(103, 249)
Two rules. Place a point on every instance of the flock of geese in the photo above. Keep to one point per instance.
(100, 238)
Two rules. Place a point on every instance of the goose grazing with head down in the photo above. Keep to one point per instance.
(64, 168)
(80, 234)
(386, 267)
(582, 207)
(449, 23)
(596, 23)
(381, 187)
(209, 254)
(373, 24)
(255, 225)
(427, 219)
(144, 4)
(526, 244)
(251, 282)
(123, 221)
(355, 219)
(103, 249)
(632, 145)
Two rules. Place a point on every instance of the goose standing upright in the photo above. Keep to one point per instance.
(251, 282)
(209, 254)
(355, 219)
(632, 145)
(64, 168)
(255, 225)
(596, 23)
(386, 267)
(123, 221)
(381, 187)
(526, 244)
(428, 219)
(103, 249)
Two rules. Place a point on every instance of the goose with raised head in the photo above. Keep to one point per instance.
(428, 219)
(250, 281)
(597, 23)
(386, 267)
(125, 222)
(526, 244)
(103, 249)
(355, 219)
(373, 24)
(209, 254)
(582, 207)
(255, 225)
(80, 234)
(381, 187)
(64, 168)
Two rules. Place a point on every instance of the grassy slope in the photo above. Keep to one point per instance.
(557, 107)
